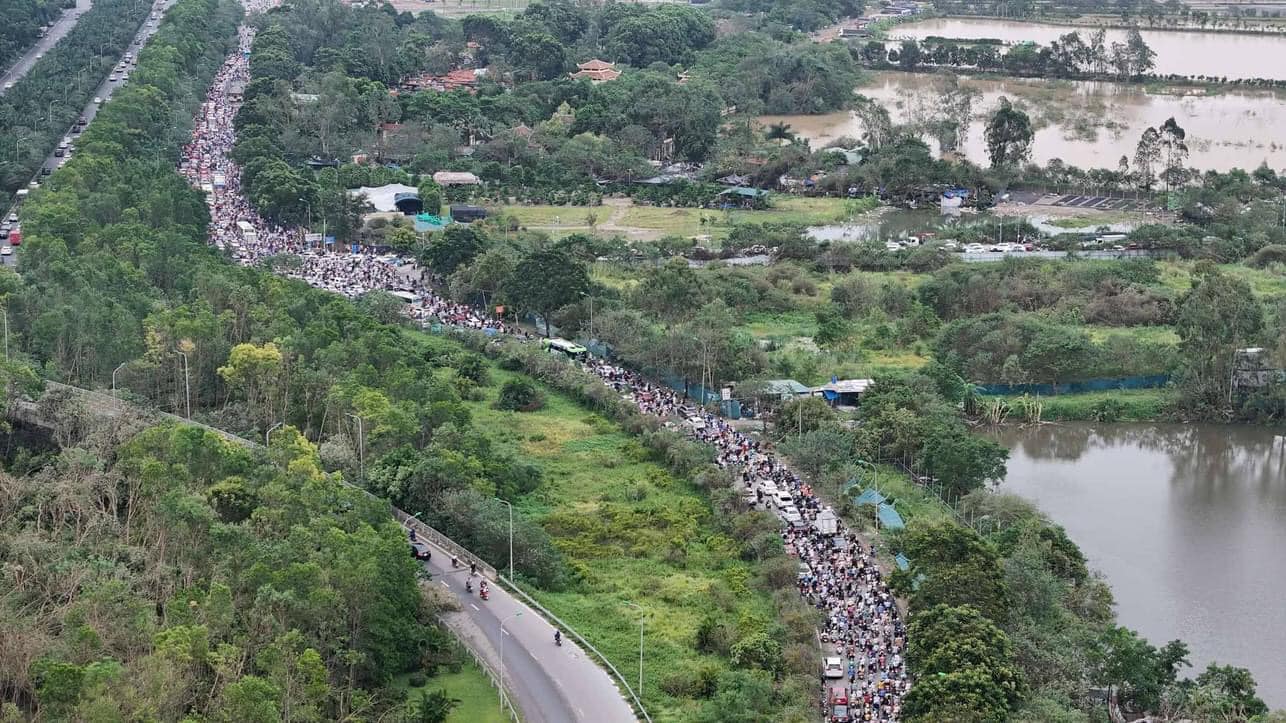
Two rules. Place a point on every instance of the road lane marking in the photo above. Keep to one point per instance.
(475, 607)
(444, 584)
(506, 632)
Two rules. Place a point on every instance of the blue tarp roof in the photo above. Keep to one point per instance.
(903, 563)
(869, 497)
(890, 518)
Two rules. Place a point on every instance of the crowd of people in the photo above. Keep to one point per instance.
(838, 574)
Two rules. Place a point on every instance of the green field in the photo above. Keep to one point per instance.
(653, 222)
(1123, 405)
(631, 532)
(479, 701)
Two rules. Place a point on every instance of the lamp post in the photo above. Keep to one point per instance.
(268, 434)
(114, 372)
(187, 383)
(310, 214)
(511, 537)
(52, 103)
(642, 613)
(16, 143)
(361, 451)
(503, 635)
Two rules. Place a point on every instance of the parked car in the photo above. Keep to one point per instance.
(98, 100)
(421, 550)
(6, 251)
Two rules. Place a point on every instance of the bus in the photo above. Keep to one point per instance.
(562, 346)
(247, 232)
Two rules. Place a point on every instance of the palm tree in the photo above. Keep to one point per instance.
(780, 131)
(432, 707)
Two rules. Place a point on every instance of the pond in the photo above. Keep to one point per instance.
(1187, 523)
(1085, 124)
(1178, 52)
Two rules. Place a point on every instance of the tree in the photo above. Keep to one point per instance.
(432, 707)
(1146, 155)
(1009, 136)
(257, 373)
(1175, 149)
(963, 664)
(520, 395)
(1224, 693)
(1216, 317)
(1140, 672)
(909, 55)
(432, 196)
(546, 280)
(455, 247)
(959, 568)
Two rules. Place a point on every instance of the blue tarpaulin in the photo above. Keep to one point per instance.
(903, 563)
(869, 497)
(889, 518)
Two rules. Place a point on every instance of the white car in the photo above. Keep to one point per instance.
(974, 248)
(832, 668)
(892, 246)
(791, 515)
(6, 251)
(98, 100)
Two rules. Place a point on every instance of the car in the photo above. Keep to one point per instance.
(783, 499)
(420, 550)
(837, 705)
(113, 78)
(8, 86)
(60, 152)
(6, 251)
(13, 218)
(832, 667)
(792, 516)
(892, 246)
(46, 170)
(98, 100)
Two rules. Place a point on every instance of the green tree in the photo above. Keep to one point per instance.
(432, 707)
(546, 280)
(967, 664)
(1009, 136)
(457, 246)
(1218, 315)
(959, 568)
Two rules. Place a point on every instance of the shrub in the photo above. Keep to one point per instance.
(520, 395)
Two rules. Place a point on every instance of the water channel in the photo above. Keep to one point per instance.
(1187, 523)
(1178, 52)
(1086, 124)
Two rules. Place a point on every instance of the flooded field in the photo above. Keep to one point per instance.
(1085, 124)
(1181, 52)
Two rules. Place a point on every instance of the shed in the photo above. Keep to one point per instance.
(456, 178)
(785, 388)
(463, 213)
(408, 202)
(845, 392)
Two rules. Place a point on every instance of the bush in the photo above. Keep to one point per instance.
(1267, 256)
(417, 680)
(520, 395)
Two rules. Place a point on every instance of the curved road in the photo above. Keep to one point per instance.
(62, 26)
(549, 684)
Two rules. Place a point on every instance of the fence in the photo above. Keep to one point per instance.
(580, 638)
(492, 676)
(443, 541)
(1152, 381)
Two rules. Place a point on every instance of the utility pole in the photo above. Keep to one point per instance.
(187, 383)
(114, 371)
(361, 451)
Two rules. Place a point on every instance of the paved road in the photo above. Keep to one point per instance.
(104, 91)
(550, 684)
(62, 26)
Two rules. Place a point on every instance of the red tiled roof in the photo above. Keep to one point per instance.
(596, 64)
(598, 75)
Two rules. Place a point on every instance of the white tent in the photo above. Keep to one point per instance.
(383, 197)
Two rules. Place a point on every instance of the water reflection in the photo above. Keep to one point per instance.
(1187, 522)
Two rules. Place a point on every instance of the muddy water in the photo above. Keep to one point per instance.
(1086, 124)
(1187, 522)
(1227, 55)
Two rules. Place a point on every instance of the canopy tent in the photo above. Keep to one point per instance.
(385, 198)
(889, 518)
(869, 497)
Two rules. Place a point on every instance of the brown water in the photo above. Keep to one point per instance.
(1086, 124)
(1187, 522)
(1181, 52)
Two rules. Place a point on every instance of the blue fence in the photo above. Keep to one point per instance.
(1089, 385)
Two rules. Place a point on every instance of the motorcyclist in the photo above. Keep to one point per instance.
(455, 562)
(473, 569)
(468, 586)
(558, 637)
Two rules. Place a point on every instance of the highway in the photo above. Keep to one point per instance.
(62, 26)
(549, 684)
(104, 92)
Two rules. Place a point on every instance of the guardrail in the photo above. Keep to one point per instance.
(442, 541)
(433, 535)
(638, 704)
(494, 678)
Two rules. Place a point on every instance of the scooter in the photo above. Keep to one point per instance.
(482, 592)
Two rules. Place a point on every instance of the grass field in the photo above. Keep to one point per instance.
(652, 222)
(479, 702)
(1126, 405)
(633, 533)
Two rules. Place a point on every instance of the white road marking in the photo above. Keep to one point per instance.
(506, 632)
(444, 584)
(475, 607)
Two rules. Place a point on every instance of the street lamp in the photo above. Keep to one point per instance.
(114, 372)
(361, 451)
(503, 635)
(511, 537)
(16, 143)
(187, 383)
(268, 434)
(642, 613)
(310, 212)
(52, 103)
